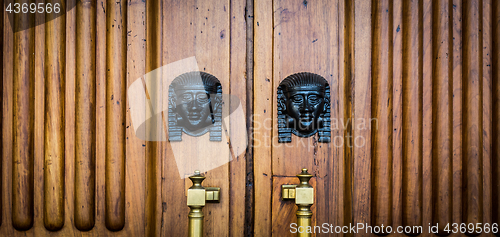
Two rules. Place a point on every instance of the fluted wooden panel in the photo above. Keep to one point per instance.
(412, 112)
(496, 113)
(472, 207)
(23, 123)
(382, 104)
(116, 64)
(361, 109)
(153, 153)
(54, 156)
(442, 104)
(85, 115)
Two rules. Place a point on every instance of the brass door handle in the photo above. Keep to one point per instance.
(303, 194)
(197, 196)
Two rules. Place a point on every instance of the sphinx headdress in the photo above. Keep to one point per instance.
(303, 81)
(195, 81)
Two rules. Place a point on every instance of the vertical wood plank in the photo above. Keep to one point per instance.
(85, 124)
(486, 21)
(412, 113)
(348, 110)
(101, 69)
(457, 110)
(472, 202)
(39, 160)
(116, 55)
(1, 107)
(238, 89)
(55, 71)
(362, 111)
(397, 108)
(442, 104)
(340, 133)
(382, 105)
(23, 122)
(249, 187)
(496, 113)
(200, 29)
(135, 213)
(7, 140)
(314, 51)
(426, 148)
(263, 90)
(153, 153)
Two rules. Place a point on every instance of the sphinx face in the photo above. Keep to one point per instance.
(305, 108)
(193, 106)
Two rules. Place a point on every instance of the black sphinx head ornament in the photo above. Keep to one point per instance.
(195, 106)
(304, 107)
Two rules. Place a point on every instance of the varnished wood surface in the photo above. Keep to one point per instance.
(54, 142)
(382, 84)
(85, 123)
(442, 81)
(116, 55)
(426, 70)
(496, 113)
(23, 124)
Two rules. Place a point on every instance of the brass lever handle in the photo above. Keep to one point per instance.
(303, 194)
(197, 196)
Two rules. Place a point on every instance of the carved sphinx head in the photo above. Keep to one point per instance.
(195, 106)
(304, 107)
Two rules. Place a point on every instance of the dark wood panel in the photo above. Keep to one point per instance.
(442, 84)
(496, 113)
(412, 112)
(473, 113)
(382, 105)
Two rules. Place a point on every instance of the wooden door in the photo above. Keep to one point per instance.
(413, 97)
(414, 109)
(72, 160)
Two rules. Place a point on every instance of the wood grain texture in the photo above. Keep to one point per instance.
(153, 151)
(314, 51)
(85, 116)
(23, 123)
(487, 107)
(262, 118)
(1, 105)
(382, 105)
(442, 104)
(397, 112)
(412, 113)
(496, 114)
(472, 202)
(284, 211)
(362, 112)
(347, 90)
(200, 29)
(427, 54)
(135, 176)
(54, 143)
(238, 89)
(116, 55)
(456, 15)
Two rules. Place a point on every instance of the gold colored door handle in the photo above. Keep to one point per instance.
(197, 196)
(303, 194)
